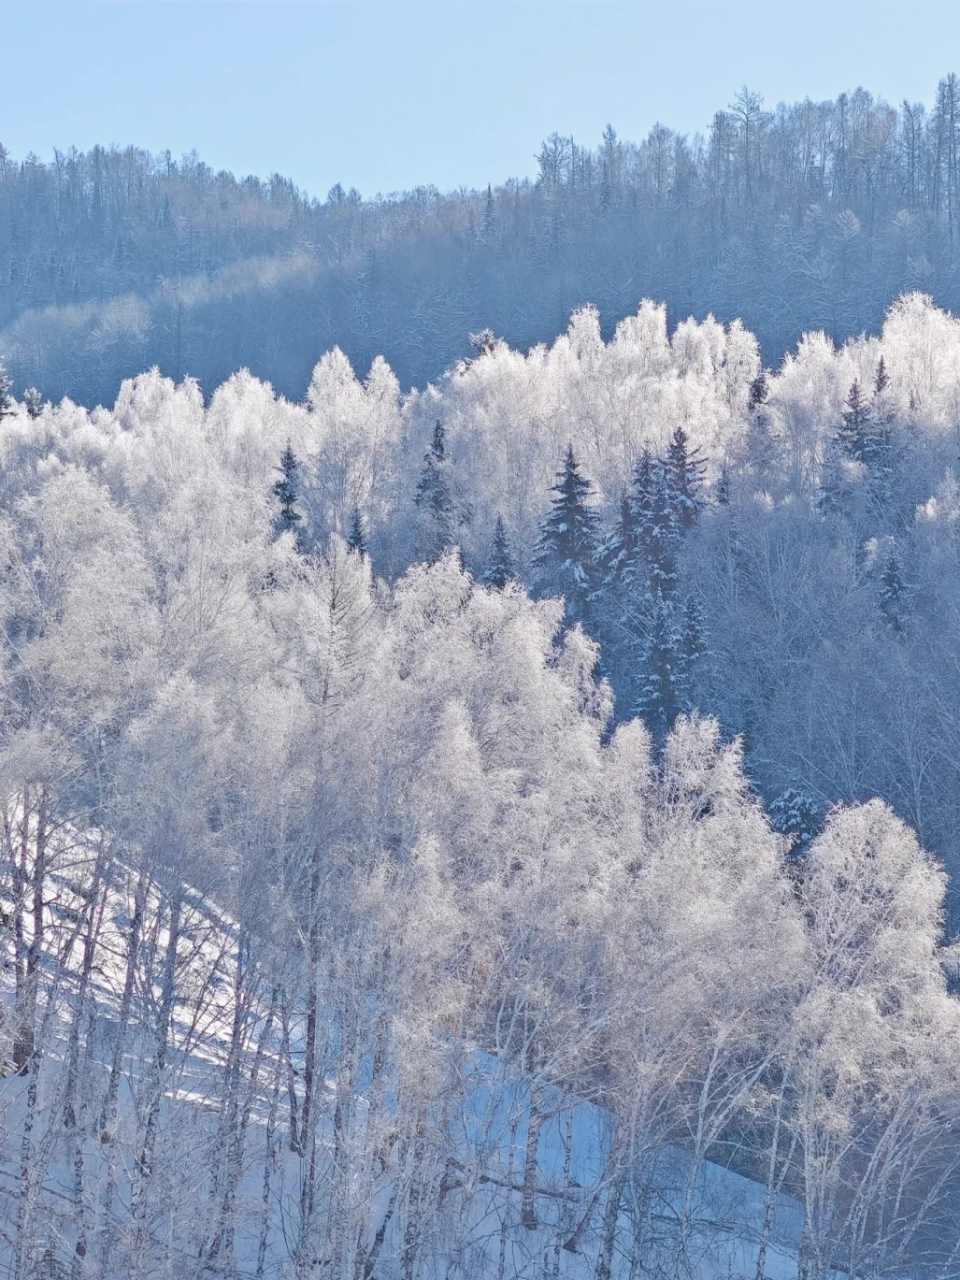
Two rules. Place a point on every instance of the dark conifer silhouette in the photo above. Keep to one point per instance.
(289, 518)
(569, 535)
(356, 535)
(500, 568)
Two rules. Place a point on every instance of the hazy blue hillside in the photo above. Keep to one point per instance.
(810, 216)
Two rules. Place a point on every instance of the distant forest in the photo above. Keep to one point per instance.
(815, 215)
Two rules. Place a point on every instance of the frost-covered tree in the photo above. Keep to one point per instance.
(795, 815)
(289, 518)
(564, 556)
(357, 536)
(499, 568)
(683, 475)
(892, 593)
(33, 402)
(6, 390)
(434, 498)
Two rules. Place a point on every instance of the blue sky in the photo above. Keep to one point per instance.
(384, 96)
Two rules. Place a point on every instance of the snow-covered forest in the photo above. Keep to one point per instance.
(504, 829)
(793, 217)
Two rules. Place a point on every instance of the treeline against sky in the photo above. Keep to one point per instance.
(810, 216)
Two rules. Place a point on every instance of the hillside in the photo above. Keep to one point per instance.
(809, 216)
(501, 829)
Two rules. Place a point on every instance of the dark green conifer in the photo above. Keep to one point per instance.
(854, 430)
(660, 699)
(434, 498)
(286, 489)
(357, 536)
(499, 568)
(796, 815)
(893, 594)
(6, 390)
(566, 549)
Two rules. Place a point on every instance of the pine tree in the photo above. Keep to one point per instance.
(33, 402)
(693, 640)
(795, 815)
(566, 549)
(434, 498)
(832, 487)
(499, 569)
(683, 472)
(854, 431)
(660, 536)
(489, 216)
(882, 380)
(357, 536)
(483, 342)
(6, 398)
(621, 554)
(606, 194)
(893, 594)
(289, 519)
(759, 391)
(661, 693)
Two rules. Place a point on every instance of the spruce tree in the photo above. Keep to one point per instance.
(795, 815)
(693, 641)
(893, 594)
(660, 535)
(357, 536)
(33, 402)
(620, 555)
(882, 380)
(565, 553)
(499, 568)
(759, 391)
(6, 397)
(683, 473)
(289, 519)
(489, 216)
(854, 430)
(434, 498)
(662, 674)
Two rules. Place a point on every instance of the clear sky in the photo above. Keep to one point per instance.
(387, 95)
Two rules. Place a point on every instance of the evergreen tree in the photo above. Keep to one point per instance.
(676, 644)
(660, 535)
(566, 549)
(483, 342)
(662, 678)
(499, 569)
(357, 536)
(621, 553)
(854, 431)
(489, 215)
(434, 498)
(893, 594)
(832, 486)
(694, 641)
(606, 194)
(33, 402)
(289, 519)
(882, 380)
(683, 473)
(6, 398)
(759, 391)
(795, 815)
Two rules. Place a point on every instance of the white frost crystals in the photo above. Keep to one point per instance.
(346, 937)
